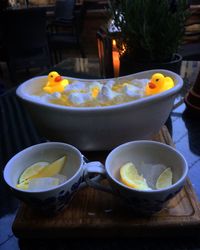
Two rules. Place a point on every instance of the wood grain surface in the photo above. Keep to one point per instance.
(93, 213)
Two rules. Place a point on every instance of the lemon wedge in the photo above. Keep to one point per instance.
(165, 179)
(130, 177)
(51, 169)
(23, 185)
(40, 170)
(31, 171)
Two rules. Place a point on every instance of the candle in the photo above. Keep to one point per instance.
(115, 58)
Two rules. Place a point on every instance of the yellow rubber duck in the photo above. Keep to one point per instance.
(158, 84)
(55, 83)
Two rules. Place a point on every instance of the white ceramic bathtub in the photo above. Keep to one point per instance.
(100, 128)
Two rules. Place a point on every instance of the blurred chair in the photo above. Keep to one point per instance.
(24, 40)
(66, 28)
(190, 50)
(64, 11)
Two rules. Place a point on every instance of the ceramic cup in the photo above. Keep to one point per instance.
(53, 199)
(143, 154)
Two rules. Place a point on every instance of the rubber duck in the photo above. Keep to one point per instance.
(55, 83)
(158, 84)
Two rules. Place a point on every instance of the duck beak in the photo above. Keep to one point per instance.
(58, 78)
(151, 85)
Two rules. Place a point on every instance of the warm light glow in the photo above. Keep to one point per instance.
(114, 43)
(115, 57)
(123, 49)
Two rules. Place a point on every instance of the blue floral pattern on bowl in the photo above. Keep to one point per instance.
(52, 204)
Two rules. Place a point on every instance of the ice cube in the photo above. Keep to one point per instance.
(62, 178)
(38, 184)
(75, 86)
(132, 91)
(79, 98)
(140, 82)
(151, 172)
(110, 83)
(56, 95)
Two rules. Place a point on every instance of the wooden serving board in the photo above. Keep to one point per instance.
(93, 213)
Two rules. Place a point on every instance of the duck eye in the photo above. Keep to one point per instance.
(51, 76)
(157, 80)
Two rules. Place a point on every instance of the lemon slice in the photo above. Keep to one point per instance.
(130, 177)
(165, 179)
(31, 171)
(23, 185)
(51, 169)
(40, 170)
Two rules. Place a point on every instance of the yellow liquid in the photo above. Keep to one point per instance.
(117, 87)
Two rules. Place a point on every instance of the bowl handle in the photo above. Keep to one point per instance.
(96, 167)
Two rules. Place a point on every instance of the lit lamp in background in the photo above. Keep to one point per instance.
(104, 43)
(109, 56)
(101, 53)
(115, 58)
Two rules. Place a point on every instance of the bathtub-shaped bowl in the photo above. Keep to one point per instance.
(100, 128)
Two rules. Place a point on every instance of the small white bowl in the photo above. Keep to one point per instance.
(148, 152)
(53, 199)
(143, 154)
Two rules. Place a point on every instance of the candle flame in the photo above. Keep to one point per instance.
(114, 43)
(115, 58)
(114, 46)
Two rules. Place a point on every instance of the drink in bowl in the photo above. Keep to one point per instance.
(46, 175)
(127, 111)
(144, 174)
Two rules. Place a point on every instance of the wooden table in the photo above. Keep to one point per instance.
(95, 214)
(15, 136)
